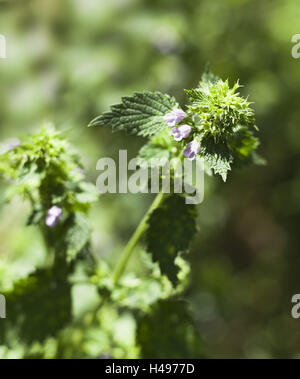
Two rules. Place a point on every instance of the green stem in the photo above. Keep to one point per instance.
(140, 230)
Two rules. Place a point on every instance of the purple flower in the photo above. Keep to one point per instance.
(54, 215)
(192, 150)
(174, 117)
(9, 145)
(182, 131)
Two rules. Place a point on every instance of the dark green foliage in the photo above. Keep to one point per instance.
(171, 231)
(220, 108)
(71, 237)
(221, 120)
(217, 156)
(243, 144)
(47, 172)
(38, 306)
(236, 149)
(141, 114)
(169, 331)
(160, 147)
(226, 124)
(69, 59)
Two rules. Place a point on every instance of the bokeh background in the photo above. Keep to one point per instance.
(69, 60)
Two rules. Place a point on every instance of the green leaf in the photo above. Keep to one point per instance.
(139, 294)
(88, 194)
(171, 230)
(160, 147)
(152, 151)
(220, 108)
(38, 306)
(216, 155)
(36, 216)
(242, 145)
(141, 114)
(181, 342)
(77, 235)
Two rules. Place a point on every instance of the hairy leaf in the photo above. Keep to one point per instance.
(220, 108)
(77, 235)
(169, 331)
(141, 114)
(38, 306)
(160, 148)
(152, 151)
(216, 155)
(242, 145)
(171, 230)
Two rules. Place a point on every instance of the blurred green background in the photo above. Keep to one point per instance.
(69, 60)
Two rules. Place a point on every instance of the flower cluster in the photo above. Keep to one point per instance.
(182, 131)
(220, 108)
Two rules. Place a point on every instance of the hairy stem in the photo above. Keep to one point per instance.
(140, 230)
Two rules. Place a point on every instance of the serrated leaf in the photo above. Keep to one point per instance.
(159, 148)
(138, 294)
(171, 230)
(181, 342)
(38, 306)
(88, 194)
(141, 114)
(243, 145)
(220, 108)
(153, 150)
(71, 237)
(36, 217)
(216, 155)
(77, 235)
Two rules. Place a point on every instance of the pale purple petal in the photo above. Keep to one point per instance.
(192, 150)
(184, 130)
(51, 221)
(170, 119)
(174, 117)
(55, 211)
(180, 114)
(54, 215)
(176, 134)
